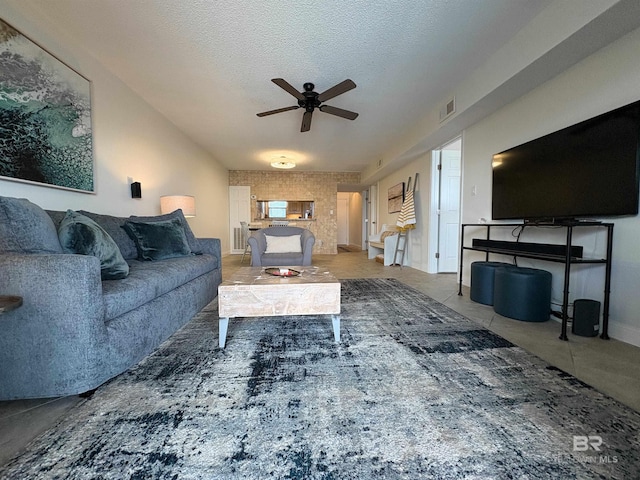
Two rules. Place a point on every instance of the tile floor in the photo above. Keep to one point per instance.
(610, 366)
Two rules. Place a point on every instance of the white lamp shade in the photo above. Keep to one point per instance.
(171, 203)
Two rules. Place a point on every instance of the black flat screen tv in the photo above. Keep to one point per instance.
(589, 169)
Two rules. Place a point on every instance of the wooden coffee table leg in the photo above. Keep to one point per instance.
(336, 327)
(223, 325)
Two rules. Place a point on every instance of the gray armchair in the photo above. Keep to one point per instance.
(262, 257)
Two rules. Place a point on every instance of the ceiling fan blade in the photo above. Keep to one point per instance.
(279, 110)
(306, 122)
(336, 90)
(282, 83)
(339, 112)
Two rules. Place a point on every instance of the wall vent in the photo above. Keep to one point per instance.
(448, 109)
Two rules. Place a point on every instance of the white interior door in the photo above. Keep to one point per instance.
(342, 218)
(239, 211)
(373, 210)
(364, 235)
(449, 209)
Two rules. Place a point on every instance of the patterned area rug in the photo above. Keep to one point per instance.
(414, 391)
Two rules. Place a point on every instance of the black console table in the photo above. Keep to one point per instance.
(567, 258)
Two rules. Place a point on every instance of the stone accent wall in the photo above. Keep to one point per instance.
(321, 187)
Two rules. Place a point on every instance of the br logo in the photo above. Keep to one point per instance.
(582, 443)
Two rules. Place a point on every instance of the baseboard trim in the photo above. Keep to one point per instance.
(625, 333)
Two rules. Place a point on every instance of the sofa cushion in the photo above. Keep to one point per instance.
(194, 245)
(26, 228)
(282, 259)
(79, 234)
(149, 280)
(56, 216)
(288, 244)
(113, 226)
(158, 240)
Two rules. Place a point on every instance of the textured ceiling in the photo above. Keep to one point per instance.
(206, 65)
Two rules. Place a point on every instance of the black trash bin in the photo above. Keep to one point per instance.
(586, 318)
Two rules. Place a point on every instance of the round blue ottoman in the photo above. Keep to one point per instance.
(523, 294)
(482, 280)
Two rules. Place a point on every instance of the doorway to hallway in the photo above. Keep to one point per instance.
(349, 220)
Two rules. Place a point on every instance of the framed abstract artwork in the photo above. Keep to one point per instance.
(45, 117)
(396, 197)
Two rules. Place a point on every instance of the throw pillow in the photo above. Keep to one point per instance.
(26, 228)
(194, 245)
(158, 240)
(286, 244)
(113, 226)
(79, 234)
(386, 234)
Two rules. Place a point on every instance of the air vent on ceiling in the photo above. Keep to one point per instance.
(448, 109)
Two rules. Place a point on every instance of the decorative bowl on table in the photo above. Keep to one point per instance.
(282, 272)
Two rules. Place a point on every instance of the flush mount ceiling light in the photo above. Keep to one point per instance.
(283, 162)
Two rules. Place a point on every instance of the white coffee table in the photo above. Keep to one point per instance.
(251, 292)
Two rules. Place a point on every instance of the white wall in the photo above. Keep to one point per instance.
(561, 35)
(130, 140)
(604, 81)
(601, 82)
(418, 250)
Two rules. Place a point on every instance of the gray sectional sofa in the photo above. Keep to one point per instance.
(75, 329)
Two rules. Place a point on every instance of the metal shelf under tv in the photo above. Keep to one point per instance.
(567, 259)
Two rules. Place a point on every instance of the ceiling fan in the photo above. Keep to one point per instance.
(310, 100)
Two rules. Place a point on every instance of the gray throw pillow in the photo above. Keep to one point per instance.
(79, 234)
(26, 228)
(194, 245)
(158, 240)
(113, 226)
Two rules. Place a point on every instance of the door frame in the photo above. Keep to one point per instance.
(434, 204)
(366, 209)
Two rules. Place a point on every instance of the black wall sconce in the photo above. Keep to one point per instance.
(136, 190)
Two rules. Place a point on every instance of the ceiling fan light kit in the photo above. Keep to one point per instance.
(310, 100)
